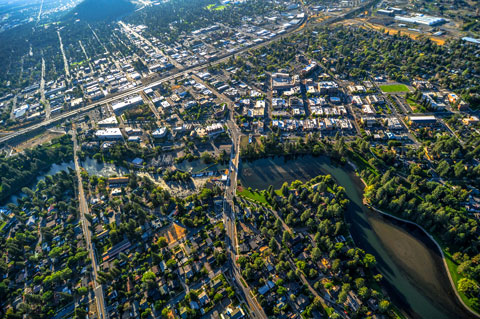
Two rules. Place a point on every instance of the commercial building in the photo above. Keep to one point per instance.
(108, 122)
(282, 81)
(160, 132)
(109, 134)
(421, 19)
(420, 120)
(127, 103)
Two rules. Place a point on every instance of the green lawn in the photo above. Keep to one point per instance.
(394, 88)
(415, 106)
(452, 268)
(215, 7)
(252, 195)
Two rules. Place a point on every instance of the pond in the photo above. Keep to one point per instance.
(412, 267)
(92, 167)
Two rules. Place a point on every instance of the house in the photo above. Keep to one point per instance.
(203, 298)
(230, 313)
(117, 181)
(353, 301)
(266, 288)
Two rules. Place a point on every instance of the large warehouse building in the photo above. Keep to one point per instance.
(421, 19)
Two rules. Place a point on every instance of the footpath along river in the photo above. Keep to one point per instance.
(412, 267)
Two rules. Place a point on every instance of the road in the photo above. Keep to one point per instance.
(220, 59)
(65, 61)
(229, 220)
(83, 207)
(42, 92)
(157, 50)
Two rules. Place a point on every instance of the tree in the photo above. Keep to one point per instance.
(316, 254)
(369, 261)
(284, 189)
(384, 305)
(468, 287)
(443, 168)
(273, 245)
(342, 296)
(286, 237)
(162, 242)
(459, 169)
(206, 158)
(364, 292)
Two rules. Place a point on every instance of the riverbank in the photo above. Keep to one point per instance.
(413, 271)
(449, 268)
(444, 258)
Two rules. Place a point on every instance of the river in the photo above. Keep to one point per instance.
(412, 267)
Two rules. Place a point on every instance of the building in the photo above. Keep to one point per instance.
(108, 122)
(20, 111)
(160, 132)
(231, 313)
(117, 181)
(214, 129)
(421, 19)
(369, 121)
(421, 120)
(470, 120)
(282, 81)
(118, 108)
(109, 134)
(309, 68)
(452, 98)
(386, 12)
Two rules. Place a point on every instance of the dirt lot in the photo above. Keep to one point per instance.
(363, 23)
(37, 140)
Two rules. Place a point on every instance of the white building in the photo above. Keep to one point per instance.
(127, 103)
(109, 134)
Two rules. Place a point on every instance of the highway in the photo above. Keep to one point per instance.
(83, 207)
(220, 59)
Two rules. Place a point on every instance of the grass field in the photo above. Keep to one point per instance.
(394, 88)
(216, 8)
(415, 106)
(252, 195)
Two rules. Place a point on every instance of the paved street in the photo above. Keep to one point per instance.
(83, 206)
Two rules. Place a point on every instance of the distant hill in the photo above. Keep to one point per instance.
(100, 10)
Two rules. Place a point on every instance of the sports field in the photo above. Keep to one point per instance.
(394, 88)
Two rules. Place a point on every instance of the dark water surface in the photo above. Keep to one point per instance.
(90, 165)
(412, 267)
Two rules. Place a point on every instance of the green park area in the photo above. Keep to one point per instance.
(394, 88)
(216, 7)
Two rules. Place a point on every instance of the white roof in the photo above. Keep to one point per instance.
(109, 120)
